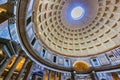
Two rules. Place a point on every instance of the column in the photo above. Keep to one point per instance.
(52, 75)
(2, 68)
(46, 75)
(49, 75)
(72, 76)
(59, 76)
(13, 68)
(62, 76)
(94, 76)
(56, 74)
(23, 69)
(29, 71)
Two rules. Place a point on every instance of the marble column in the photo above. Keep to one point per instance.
(49, 75)
(94, 76)
(2, 68)
(28, 71)
(13, 68)
(46, 75)
(23, 69)
(72, 76)
(56, 75)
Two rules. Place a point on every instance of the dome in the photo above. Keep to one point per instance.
(95, 31)
(60, 39)
(57, 33)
